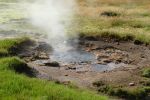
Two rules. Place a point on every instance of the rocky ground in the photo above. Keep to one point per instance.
(111, 62)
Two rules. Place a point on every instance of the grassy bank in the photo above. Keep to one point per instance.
(14, 85)
(123, 20)
(140, 92)
(8, 46)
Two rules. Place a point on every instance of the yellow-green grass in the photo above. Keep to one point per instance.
(116, 28)
(146, 72)
(121, 19)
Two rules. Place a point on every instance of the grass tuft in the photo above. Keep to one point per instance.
(146, 72)
(110, 13)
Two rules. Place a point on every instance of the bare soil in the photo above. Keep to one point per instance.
(110, 61)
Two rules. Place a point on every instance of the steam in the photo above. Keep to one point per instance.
(53, 17)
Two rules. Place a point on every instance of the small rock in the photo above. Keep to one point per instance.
(137, 42)
(66, 74)
(98, 62)
(132, 84)
(80, 72)
(142, 56)
(44, 47)
(91, 38)
(88, 50)
(43, 55)
(54, 64)
(107, 61)
(72, 68)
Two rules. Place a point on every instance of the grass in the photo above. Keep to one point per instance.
(15, 86)
(7, 45)
(124, 20)
(146, 72)
(129, 93)
(116, 28)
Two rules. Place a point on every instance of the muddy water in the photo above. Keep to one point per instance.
(73, 56)
(81, 60)
(108, 67)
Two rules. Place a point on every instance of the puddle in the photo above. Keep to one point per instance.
(82, 61)
(73, 57)
(108, 67)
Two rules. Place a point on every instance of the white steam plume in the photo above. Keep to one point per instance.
(54, 17)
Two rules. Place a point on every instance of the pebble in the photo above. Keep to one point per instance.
(132, 84)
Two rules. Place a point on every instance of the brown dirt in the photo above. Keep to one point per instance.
(134, 57)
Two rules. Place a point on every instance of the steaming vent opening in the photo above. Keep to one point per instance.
(70, 54)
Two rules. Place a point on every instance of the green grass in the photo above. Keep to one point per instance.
(15, 86)
(136, 93)
(7, 45)
(146, 72)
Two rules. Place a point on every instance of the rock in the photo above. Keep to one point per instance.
(132, 84)
(66, 74)
(91, 38)
(54, 64)
(109, 14)
(107, 60)
(88, 50)
(44, 47)
(142, 56)
(41, 55)
(138, 42)
(72, 68)
(99, 62)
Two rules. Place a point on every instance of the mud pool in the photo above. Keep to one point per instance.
(78, 60)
